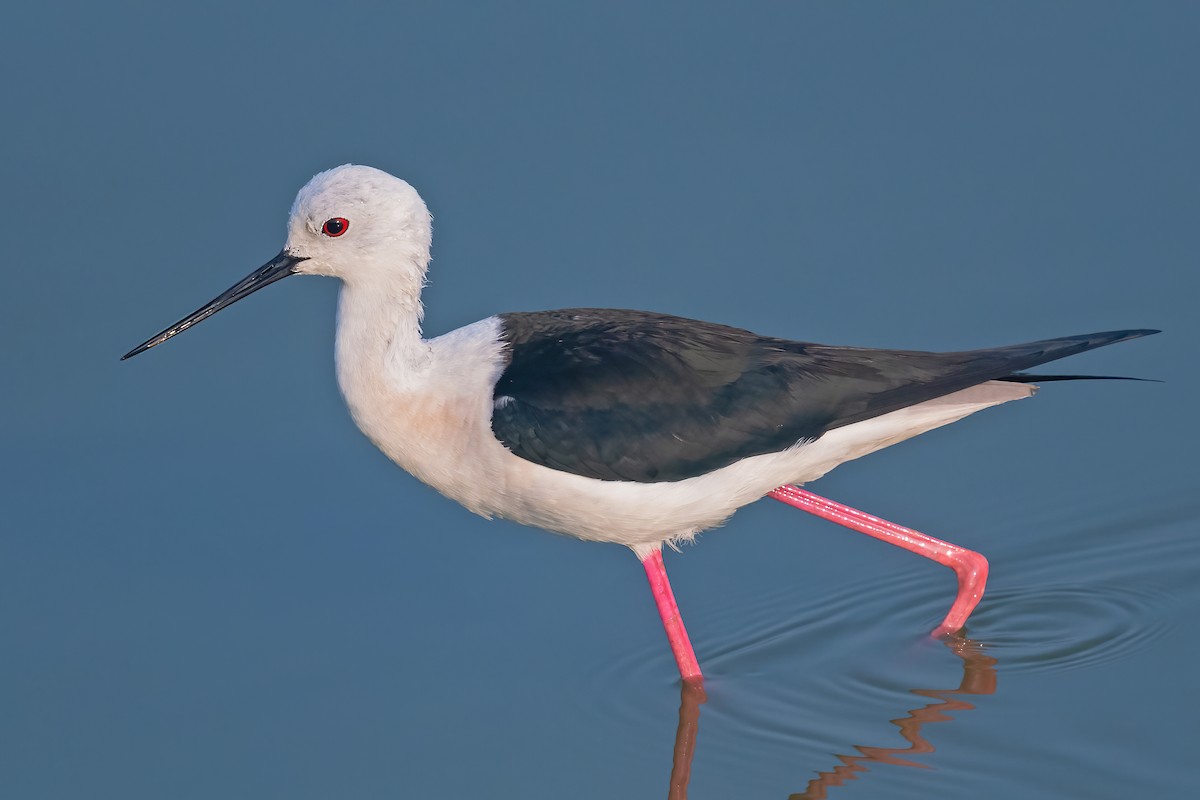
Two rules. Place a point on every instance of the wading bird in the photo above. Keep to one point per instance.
(609, 425)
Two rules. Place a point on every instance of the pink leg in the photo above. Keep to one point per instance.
(664, 598)
(970, 567)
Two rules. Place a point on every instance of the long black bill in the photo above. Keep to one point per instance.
(278, 267)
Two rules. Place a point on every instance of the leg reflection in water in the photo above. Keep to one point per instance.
(691, 696)
(979, 678)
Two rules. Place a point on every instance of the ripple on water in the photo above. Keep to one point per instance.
(863, 648)
(823, 649)
(751, 632)
(1043, 628)
(801, 671)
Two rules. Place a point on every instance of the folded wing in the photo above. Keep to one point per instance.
(637, 396)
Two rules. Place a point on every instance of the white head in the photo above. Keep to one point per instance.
(356, 223)
(352, 221)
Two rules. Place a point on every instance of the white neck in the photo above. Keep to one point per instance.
(379, 329)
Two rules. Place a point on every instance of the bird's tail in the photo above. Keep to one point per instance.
(1025, 377)
(1053, 349)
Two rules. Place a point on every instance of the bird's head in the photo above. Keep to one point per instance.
(353, 221)
(356, 223)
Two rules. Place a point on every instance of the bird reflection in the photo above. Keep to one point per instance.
(979, 678)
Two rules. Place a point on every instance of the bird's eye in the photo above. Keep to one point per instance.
(336, 226)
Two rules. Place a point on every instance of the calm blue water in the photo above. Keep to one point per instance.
(212, 586)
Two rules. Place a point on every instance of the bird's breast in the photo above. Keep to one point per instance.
(435, 421)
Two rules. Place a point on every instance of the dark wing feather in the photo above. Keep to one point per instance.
(637, 396)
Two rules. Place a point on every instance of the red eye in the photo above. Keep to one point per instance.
(336, 226)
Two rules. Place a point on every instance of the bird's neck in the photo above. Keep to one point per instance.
(379, 329)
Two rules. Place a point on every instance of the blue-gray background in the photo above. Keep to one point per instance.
(212, 586)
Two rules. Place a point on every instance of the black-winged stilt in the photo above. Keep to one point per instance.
(616, 426)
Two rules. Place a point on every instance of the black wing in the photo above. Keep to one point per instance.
(637, 396)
